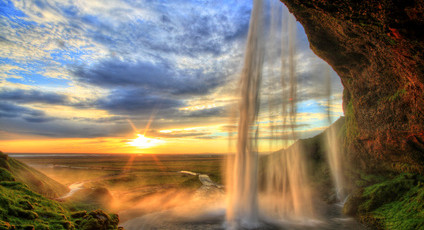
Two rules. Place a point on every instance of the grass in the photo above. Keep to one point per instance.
(36, 180)
(127, 179)
(128, 172)
(23, 208)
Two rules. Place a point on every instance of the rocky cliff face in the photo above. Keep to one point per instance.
(376, 47)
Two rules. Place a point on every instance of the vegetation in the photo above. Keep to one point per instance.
(36, 180)
(389, 202)
(22, 208)
(112, 183)
(130, 172)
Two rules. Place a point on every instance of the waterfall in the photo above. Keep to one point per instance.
(287, 194)
(335, 160)
(242, 208)
(333, 150)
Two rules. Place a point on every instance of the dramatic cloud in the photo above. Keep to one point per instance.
(32, 96)
(208, 112)
(162, 78)
(8, 110)
(136, 102)
(90, 68)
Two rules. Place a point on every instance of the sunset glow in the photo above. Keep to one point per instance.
(88, 88)
(143, 142)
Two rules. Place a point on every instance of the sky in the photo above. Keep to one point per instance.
(138, 76)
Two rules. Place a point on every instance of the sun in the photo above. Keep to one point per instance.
(143, 142)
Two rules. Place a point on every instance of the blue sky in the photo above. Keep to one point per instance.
(87, 69)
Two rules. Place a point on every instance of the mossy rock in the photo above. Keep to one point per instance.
(98, 220)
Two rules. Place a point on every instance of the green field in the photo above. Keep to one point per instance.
(128, 178)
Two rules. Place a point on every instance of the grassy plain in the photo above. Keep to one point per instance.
(128, 178)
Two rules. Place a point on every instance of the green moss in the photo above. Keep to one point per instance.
(396, 96)
(404, 213)
(351, 125)
(385, 192)
(394, 203)
(98, 220)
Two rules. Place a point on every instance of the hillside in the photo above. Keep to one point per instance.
(34, 179)
(21, 207)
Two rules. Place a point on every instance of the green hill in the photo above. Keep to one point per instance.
(23, 207)
(36, 181)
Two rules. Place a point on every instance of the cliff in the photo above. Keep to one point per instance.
(376, 47)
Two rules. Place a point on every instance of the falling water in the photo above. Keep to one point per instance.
(335, 160)
(242, 208)
(287, 194)
(334, 152)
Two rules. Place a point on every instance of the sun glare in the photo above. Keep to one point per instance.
(143, 142)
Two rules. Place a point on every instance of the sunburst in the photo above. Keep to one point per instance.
(143, 142)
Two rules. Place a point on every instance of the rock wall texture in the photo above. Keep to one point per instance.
(376, 47)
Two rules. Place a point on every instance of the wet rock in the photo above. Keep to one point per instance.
(353, 202)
